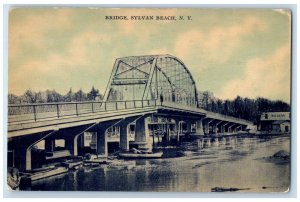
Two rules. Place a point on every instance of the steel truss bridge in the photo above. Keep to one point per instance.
(142, 91)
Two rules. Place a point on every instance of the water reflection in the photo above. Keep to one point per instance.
(206, 163)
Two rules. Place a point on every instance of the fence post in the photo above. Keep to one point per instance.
(148, 103)
(34, 112)
(133, 103)
(92, 107)
(142, 103)
(125, 104)
(104, 106)
(116, 105)
(57, 108)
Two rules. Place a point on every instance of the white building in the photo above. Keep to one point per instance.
(275, 122)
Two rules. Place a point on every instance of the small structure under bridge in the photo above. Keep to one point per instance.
(147, 97)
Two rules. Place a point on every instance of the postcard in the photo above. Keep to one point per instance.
(149, 99)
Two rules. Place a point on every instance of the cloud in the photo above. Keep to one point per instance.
(218, 43)
(263, 76)
(82, 55)
(30, 29)
(62, 48)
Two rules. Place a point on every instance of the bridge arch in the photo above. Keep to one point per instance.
(151, 77)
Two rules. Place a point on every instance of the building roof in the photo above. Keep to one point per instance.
(279, 122)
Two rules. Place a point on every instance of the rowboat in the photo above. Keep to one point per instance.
(141, 155)
(45, 174)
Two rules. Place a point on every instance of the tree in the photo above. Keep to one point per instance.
(93, 94)
(13, 99)
(69, 97)
(53, 96)
(80, 96)
(29, 97)
(39, 98)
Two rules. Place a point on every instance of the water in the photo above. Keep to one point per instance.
(221, 162)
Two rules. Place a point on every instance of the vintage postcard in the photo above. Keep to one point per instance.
(149, 99)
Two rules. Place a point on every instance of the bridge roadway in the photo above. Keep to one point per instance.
(30, 124)
(22, 123)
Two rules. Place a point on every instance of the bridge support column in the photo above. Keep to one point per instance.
(124, 133)
(49, 144)
(69, 144)
(199, 127)
(101, 137)
(237, 129)
(206, 127)
(178, 129)
(230, 130)
(101, 140)
(215, 129)
(142, 135)
(124, 142)
(219, 127)
(168, 135)
(188, 126)
(244, 128)
(24, 158)
(28, 163)
(223, 128)
(78, 141)
(23, 155)
(22, 149)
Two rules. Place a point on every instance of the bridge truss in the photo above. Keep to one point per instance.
(151, 77)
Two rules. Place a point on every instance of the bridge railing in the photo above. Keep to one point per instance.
(208, 113)
(183, 106)
(42, 111)
(227, 118)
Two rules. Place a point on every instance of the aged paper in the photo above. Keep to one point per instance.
(149, 99)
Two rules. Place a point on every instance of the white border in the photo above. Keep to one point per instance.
(158, 3)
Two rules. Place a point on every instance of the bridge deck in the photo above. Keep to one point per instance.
(34, 118)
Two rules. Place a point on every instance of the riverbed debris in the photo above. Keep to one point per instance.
(48, 173)
(224, 189)
(280, 157)
(72, 164)
(265, 187)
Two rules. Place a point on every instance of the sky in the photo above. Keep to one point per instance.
(229, 52)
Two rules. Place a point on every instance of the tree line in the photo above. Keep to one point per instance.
(47, 96)
(245, 108)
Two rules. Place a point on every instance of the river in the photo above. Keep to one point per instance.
(231, 162)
